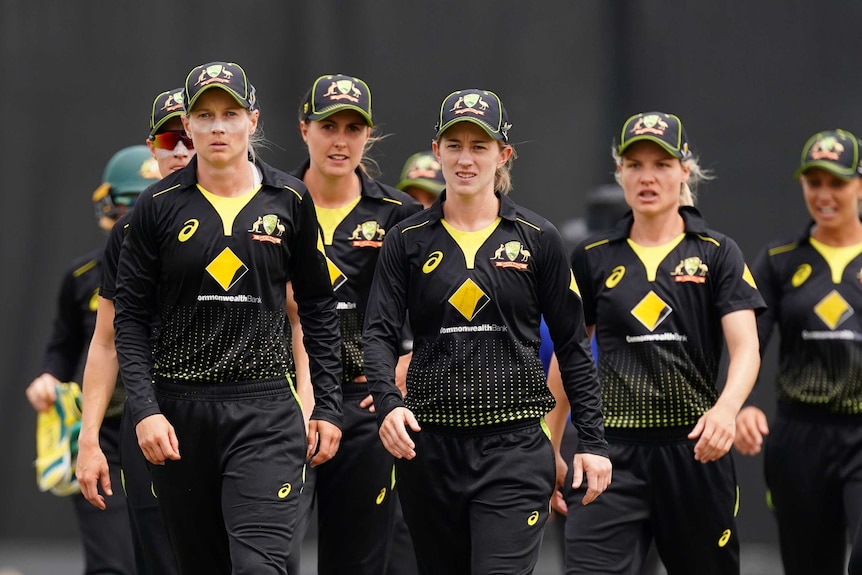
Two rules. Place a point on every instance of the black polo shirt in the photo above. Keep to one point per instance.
(658, 324)
(210, 273)
(475, 301)
(352, 238)
(813, 292)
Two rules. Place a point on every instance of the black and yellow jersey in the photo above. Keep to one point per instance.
(111, 259)
(352, 238)
(657, 313)
(209, 273)
(75, 323)
(812, 291)
(75, 319)
(475, 301)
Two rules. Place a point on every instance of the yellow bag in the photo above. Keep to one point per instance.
(57, 431)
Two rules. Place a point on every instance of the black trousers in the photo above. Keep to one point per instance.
(814, 474)
(303, 520)
(364, 460)
(230, 504)
(106, 535)
(476, 501)
(153, 553)
(402, 556)
(658, 492)
(355, 501)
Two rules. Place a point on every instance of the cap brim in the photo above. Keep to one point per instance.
(340, 108)
(233, 94)
(429, 186)
(827, 166)
(647, 138)
(162, 122)
(484, 125)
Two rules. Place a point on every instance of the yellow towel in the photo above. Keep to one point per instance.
(57, 431)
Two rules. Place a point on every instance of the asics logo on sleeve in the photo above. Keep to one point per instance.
(189, 229)
(801, 275)
(432, 262)
(616, 275)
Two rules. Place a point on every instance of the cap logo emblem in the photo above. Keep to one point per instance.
(652, 124)
(343, 90)
(828, 148)
(470, 101)
(216, 73)
(424, 167)
(173, 102)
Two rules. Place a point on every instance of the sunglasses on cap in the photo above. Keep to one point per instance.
(168, 140)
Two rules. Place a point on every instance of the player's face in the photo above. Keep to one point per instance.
(171, 160)
(220, 128)
(336, 143)
(832, 202)
(469, 159)
(651, 179)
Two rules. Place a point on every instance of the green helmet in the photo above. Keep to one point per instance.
(127, 174)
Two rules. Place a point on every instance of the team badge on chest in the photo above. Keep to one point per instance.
(367, 235)
(512, 254)
(690, 270)
(271, 227)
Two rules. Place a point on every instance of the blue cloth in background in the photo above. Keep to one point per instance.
(546, 349)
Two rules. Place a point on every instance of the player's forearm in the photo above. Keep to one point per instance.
(100, 380)
(740, 332)
(741, 376)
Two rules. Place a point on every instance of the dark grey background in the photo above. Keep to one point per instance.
(751, 81)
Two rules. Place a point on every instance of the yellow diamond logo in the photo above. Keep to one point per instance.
(469, 299)
(651, 311)
(833, 310)
(226, 269)
(336, 276)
